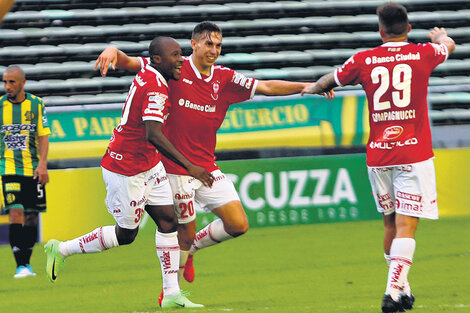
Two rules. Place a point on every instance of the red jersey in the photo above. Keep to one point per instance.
(199, 104)
(129, 152)
(395, 77)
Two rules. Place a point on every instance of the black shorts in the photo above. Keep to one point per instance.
(23, 192)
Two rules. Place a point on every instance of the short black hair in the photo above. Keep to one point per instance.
(393, 18)
(205, 28)
(155, 47)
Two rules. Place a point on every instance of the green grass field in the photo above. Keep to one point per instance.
(310, 268)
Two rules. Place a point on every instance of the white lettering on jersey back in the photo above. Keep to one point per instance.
(397, 57)
(187, 81)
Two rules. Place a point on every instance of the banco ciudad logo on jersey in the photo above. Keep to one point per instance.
(203, 108)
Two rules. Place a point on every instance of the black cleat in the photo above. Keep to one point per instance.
(407, 301)
(390, 306)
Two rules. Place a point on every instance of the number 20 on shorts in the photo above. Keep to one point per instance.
(187, 209)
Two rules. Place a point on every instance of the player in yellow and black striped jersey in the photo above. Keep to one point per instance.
(24, 134)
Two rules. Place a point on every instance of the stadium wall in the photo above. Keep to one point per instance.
(274, 192)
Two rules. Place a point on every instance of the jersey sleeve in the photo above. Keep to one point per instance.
(435, 54)
(155, 103)
(43, 125)
(143, 62)
(240, 87)
(348, 73)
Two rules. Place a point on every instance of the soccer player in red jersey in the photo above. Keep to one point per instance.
(395, 78)
(135, 177)
(199, 102)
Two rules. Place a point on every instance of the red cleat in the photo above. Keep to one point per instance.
(188, 273)
(160, 298)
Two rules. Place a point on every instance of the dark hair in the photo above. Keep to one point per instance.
(155, 47)
(205, 28)
(393, 18)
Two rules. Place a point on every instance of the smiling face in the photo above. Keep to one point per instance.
(170, 60)
(13, 82)
(206, 49)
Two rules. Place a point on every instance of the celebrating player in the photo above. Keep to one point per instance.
(395, 78)
(199, 102)
(136, 179)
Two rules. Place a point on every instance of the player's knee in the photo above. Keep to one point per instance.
(237, 229)
(126, 236)
(31, 219)
(16, 216)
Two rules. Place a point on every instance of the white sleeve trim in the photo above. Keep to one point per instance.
(447, 51)
(253, 91)
(152, 118)
(335, 74)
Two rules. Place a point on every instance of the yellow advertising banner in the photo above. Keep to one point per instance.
(75, 203)
(76, 196)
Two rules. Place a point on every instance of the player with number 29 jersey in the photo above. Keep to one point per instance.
(395, 78)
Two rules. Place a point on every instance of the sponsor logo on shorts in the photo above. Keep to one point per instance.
(182, 196)
(12, 187)
(408, 196)
(220, 177)
(386, 202)
(116, 211)
(407, 206)
(134, 203)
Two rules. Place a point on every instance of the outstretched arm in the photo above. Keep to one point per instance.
(156, 137)
(439, 35)
(117, 58)
(283, 88)
(325, 84)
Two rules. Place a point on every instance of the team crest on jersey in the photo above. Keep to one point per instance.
(10, 198)
(29, 116)
(215, 89)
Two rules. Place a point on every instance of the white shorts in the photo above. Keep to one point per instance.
(405, 189)
(127, 196)
(187, 189)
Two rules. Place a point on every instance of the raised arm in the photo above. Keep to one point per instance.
(439, 35)
(117, 58)
(156, 137)
(325, 84)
